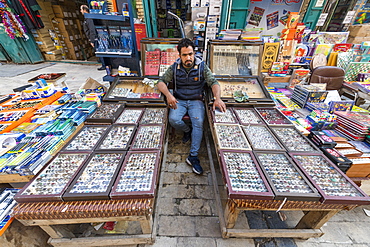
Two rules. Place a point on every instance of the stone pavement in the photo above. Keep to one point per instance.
(186, 205)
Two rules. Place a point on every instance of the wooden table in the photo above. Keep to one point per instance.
(53, 217)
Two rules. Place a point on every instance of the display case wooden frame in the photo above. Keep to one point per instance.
(155, 44)
(108, 120)
(163, 119)
(239, 194)
(230, 115)
(251, 85)
(360, 196)
(44, 174)
(279, 195)
(88, 139)
(303, 139)
(243, 142)
(142, 139)
(269, 137)
(118, 121)
(134, 83)
(109, 132)
(227, 57)
(282, 121)
(69, 195)
(256, 117)
(115, 194)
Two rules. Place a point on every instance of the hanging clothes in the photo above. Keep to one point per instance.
(28, 10)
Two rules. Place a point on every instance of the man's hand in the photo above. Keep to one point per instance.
(219, 104)
(172, 102)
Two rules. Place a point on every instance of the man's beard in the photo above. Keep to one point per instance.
(188, 63)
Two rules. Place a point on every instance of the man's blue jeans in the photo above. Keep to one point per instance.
(195, 110)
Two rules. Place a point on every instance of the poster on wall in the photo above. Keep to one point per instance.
(256, 16)
(271, 15)
(272, 20)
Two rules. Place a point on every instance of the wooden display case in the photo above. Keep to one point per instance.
(118, 137)
(148, 137)
(272, 116)
(226, 118)
(247, 116)
(330, 181)
(95, 179)
(231, 136)
(107, 113)
(261, 138)
(143, 183)
(130, 116)
(53, 179)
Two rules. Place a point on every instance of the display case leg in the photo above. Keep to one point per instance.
(231, 214)
(315, 219)
(58, 231)
(146, 225)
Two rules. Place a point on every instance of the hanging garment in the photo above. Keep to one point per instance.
(28, 10)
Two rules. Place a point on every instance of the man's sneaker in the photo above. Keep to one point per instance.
(101, 68)
(187, 136)
(194, 161)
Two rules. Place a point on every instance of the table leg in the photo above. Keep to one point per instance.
(231, 214)
(58, 231)
(146, 225)
(315, 219)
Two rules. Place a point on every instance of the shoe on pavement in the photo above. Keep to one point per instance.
(187, 136)
(194, 161)
(101, 68)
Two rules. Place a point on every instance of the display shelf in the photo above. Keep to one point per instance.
(118, 137)
(261, 138)
(96, 177)
(227, 117)
(133, 90)
(243, 176)
(86, 139)
(293, 140)
(106, 113)
(154, 116)
(227, 57)
(273, 116)
(231, 136)
(333, 185)
(148, 137)
(138, 176)
(53, 179)
(106, 17)
(285, 179)
(130, 116)
(248, 116)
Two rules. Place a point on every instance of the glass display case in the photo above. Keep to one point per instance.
(293, 140)
(273, 116)
(333, 185)
(231, 136)
(223, 117)
(106, 113)
(118, 137)
(157, 54)
(95, 179)
(86, 139)
(243, 176)
(261, 138)
(154, 116)
(133, 90)
(130, 116)
(229, 57)
(138, 176)
(53, 179)
(148, 137)
(285, 179)
(248, 116)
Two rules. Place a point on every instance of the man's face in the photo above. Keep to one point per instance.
(187, 56)
(82, 11)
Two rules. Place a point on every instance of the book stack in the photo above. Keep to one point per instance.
(352, 125)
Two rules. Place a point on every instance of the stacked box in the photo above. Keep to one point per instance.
(359, 33)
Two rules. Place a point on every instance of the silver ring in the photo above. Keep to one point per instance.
(170, 104)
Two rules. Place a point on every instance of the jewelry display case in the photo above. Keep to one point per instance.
(231, 136)
(229, 57)
(333, 185)
(247, 116)
(227, 117)
(95, 179)
(138, 176)
(50, 183)
(130, 116)
(293, 140)
(285, 179)
(106, 113)
(86, 139)
(244, 178)
(157, 55)
(261, 138)
(133, 90)
(148, 137)
(273, 116)
(154, 116)
(118, 137)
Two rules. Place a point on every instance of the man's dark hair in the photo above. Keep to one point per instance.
(185, 42)
(85, 8)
